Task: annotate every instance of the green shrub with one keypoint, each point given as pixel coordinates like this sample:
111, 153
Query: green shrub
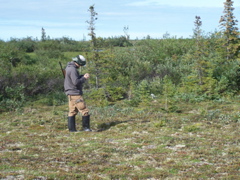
53, 99
98, 96
13, 98
114, 93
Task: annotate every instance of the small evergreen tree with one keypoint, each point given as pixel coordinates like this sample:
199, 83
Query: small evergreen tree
43, 37
228, 25
200, 63
125, 30
197, 31
92, 34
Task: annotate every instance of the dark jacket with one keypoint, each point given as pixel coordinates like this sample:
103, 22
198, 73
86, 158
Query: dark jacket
73, 82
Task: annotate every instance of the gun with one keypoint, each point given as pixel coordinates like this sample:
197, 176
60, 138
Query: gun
63, 70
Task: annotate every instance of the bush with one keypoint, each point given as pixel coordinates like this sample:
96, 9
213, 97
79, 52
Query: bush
53, 99
97, 96
13, 98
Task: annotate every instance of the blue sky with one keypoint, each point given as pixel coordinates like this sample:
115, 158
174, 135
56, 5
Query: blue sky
67, 18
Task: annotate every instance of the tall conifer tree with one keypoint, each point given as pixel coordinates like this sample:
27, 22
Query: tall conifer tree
92, 34
199, 49
228, 25
43, 37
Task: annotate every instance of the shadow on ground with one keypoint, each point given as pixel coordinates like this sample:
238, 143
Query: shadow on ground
106, 126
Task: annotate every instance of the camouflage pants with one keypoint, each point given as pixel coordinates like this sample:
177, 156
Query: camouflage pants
77, 104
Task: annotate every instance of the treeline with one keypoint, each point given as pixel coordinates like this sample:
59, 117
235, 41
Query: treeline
64, 44
186, 69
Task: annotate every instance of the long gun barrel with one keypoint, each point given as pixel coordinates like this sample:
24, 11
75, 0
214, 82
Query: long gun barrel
63, 70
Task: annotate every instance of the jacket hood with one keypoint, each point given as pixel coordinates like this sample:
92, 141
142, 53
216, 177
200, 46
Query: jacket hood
71, 64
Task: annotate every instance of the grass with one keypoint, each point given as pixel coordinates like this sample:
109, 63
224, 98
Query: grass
199, 141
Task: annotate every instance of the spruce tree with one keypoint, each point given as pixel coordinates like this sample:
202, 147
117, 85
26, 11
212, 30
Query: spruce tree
198, 55
92, 34
229, 29
43, 38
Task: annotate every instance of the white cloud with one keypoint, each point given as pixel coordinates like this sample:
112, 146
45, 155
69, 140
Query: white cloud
40, 23
116, 14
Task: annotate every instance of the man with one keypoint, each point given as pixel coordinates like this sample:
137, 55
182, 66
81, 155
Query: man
73, 85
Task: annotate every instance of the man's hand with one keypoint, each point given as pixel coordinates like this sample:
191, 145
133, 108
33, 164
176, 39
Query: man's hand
86, 76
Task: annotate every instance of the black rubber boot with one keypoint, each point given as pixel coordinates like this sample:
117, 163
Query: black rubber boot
86, 123
72, 124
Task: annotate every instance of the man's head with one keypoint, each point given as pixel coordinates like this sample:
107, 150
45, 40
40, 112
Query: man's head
80, 60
